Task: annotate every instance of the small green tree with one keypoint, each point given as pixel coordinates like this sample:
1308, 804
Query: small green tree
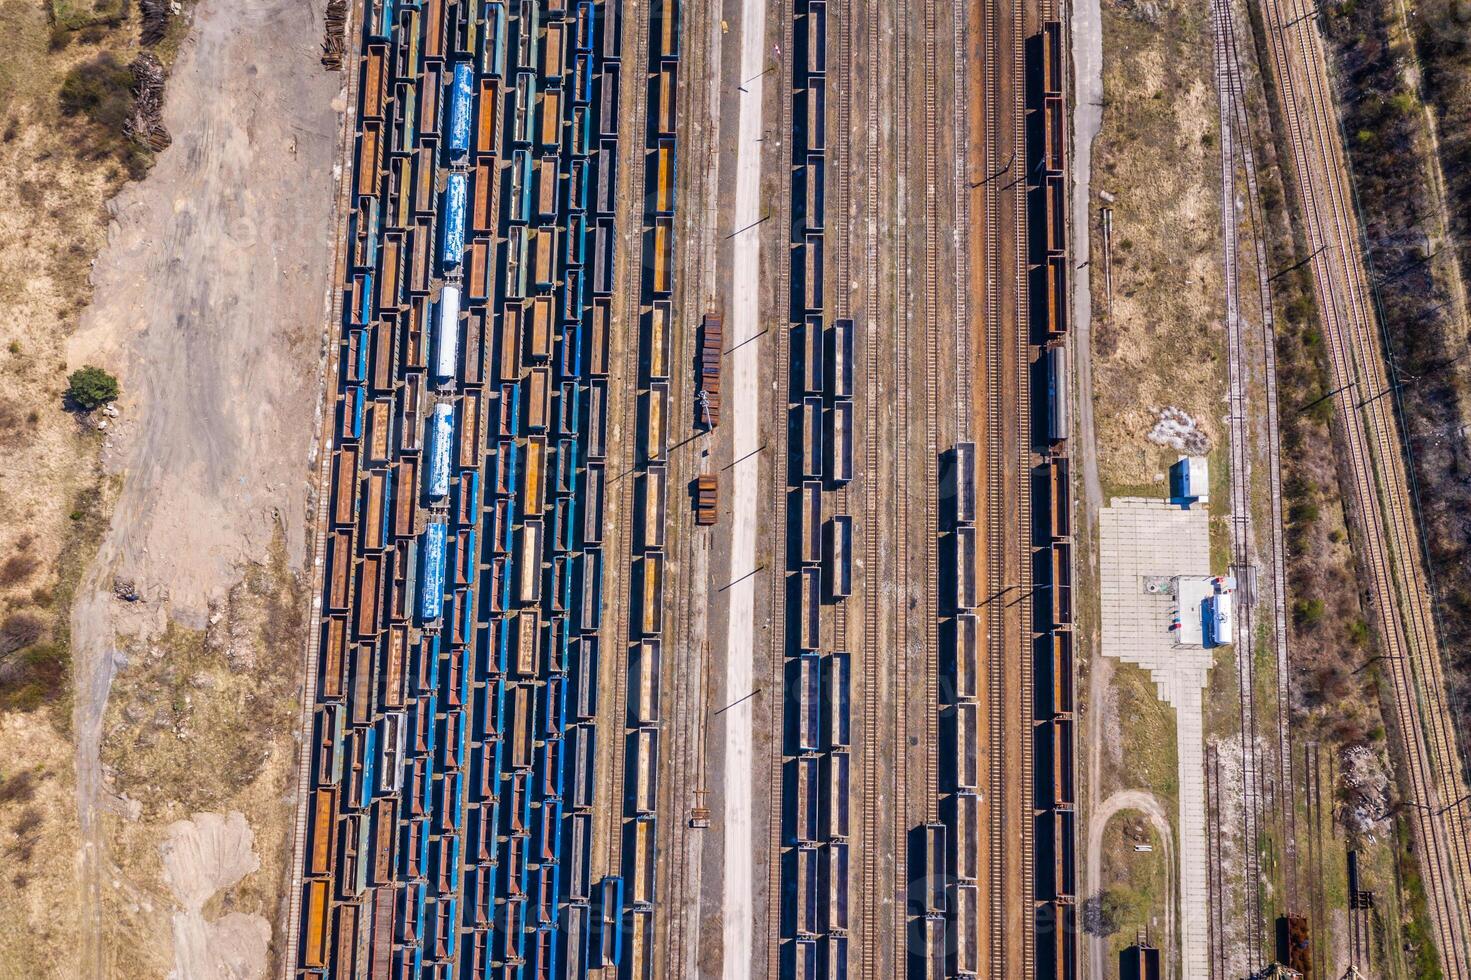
91, 387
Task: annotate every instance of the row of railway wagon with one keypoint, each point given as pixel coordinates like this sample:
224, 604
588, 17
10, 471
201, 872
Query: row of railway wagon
816, 762
1053, 800
949, 906
449, 824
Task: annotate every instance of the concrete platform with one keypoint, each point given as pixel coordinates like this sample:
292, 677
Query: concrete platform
1143, 538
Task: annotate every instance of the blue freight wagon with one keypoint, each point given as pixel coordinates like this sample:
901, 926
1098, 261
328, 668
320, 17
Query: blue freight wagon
431, 578
441, 443
462, 100
453, 213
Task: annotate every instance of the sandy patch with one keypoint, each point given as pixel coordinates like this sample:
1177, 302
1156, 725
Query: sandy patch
201, 857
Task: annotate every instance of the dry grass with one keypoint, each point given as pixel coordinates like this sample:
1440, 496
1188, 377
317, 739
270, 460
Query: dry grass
205, 720
1157, 155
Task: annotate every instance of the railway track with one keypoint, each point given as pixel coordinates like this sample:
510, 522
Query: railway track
931, 398
1286, 783
1389, 548
869, 932
1242, 525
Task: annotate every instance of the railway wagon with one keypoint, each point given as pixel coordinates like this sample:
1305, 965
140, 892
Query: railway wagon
965, 836
1058, 401
811, 449
966, 928
1052, 46
809, 702
431, 573
538, 400
641, 944
604, 247
581, 743
538, 345
1054, 834
593, 481
839, 353
656, 421
664, 29
838, 557
579, 857
1058, 672
657, 339
332, 659
1056, 928
528, 558
452, 212
812, 254
1062, 584
804, 959
836, 813
590, 595
965, 568
651, 602
546, 187
647, 661
813, 181
967, 755
329, 730
834, 914
804, 796
662, 257
814, 31
1059, 497
805, 889
664, 176
936, 869
597, 337
665, 84
322, 835
441, 442
608, 91
962, 489
837, 684
447, 336
533, 477
344, 487
832, 957
1054, 213
314, 923
523, 122
585, 670
1054, 299
840, 443
933, 943
597, 401
606, 189
814, 117
810, 347
967, 663
810, 504
1054, 135
809, 637
462, 95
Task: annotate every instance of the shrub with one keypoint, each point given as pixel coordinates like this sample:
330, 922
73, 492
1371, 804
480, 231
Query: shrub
100, 89
20, 630
91, 387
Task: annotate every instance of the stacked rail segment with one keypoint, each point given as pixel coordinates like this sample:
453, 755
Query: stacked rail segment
462, 593
1052, 791
816, 784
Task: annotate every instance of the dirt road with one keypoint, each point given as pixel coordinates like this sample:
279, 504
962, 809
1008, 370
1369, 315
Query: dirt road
207, 301
744, 399
1145, 803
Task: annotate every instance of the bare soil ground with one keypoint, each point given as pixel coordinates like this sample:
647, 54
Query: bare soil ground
208, 300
